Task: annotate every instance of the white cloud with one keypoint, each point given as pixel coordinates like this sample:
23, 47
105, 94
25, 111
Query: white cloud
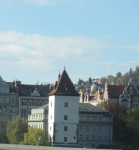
128, 63
105, 62
40, 52
34, 2
39, 2
134, 47
109, 67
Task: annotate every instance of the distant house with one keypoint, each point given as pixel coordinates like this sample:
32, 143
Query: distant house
8, 101
94, 99
127, 95
30, 97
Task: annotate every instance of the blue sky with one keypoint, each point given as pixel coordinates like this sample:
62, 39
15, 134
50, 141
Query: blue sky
92, 38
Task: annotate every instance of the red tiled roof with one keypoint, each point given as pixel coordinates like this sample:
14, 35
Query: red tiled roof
60, 85
118, 89
11, 84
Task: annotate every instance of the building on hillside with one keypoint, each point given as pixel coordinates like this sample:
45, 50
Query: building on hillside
8, 101
70, 123
128, 95
94, 99
95, 126
30, 97
39, 118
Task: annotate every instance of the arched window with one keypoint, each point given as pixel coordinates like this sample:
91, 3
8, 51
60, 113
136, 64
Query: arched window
30, 103
4, 109
35, 103
40, 103
0, 109
22, 103
46, 102
25, 103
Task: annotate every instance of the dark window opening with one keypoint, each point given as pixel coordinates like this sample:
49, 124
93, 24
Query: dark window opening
65, 128
66, 104
65, 139
65, 117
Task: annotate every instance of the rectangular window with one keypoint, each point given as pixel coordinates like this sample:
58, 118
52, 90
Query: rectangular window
65, 139
81, 118
136, 105
105, 137
105, 128
113, 89
99, 128
87, 137
36, 116
99, 137
93, 128
24, 111
80, 127
0, 90
135, 99
66, 104
80, 137
87, 128
100, 118
117, 89
65, 117
130, 92
133, 105
65, 128
41, 116
29, 111
93, 137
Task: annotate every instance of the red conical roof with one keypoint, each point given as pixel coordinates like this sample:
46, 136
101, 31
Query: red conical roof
64, 81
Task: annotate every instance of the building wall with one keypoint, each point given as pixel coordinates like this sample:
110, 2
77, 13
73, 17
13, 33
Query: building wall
57, 110
8, 102
90, 129
39, 118
25, 110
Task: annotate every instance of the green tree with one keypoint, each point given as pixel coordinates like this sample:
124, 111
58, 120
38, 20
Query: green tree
80, 82
119, 125
119, 74
89, 80
132, 128
16, 129
79, 87
136, 69
35, 136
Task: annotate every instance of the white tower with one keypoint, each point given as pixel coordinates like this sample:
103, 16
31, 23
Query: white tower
63, 116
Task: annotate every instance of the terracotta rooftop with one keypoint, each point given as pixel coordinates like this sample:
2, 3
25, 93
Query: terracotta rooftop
64, 81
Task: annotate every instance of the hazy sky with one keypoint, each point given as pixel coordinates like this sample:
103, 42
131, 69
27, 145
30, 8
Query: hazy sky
92, 38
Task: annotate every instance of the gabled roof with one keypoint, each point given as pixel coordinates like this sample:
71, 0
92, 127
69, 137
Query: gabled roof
64, 81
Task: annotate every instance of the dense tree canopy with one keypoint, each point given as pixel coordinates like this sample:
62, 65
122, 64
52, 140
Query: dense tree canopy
16, 129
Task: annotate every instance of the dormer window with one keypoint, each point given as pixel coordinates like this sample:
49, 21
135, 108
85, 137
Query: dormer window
66, 89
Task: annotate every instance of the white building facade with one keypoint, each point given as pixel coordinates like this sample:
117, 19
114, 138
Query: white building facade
63, 113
